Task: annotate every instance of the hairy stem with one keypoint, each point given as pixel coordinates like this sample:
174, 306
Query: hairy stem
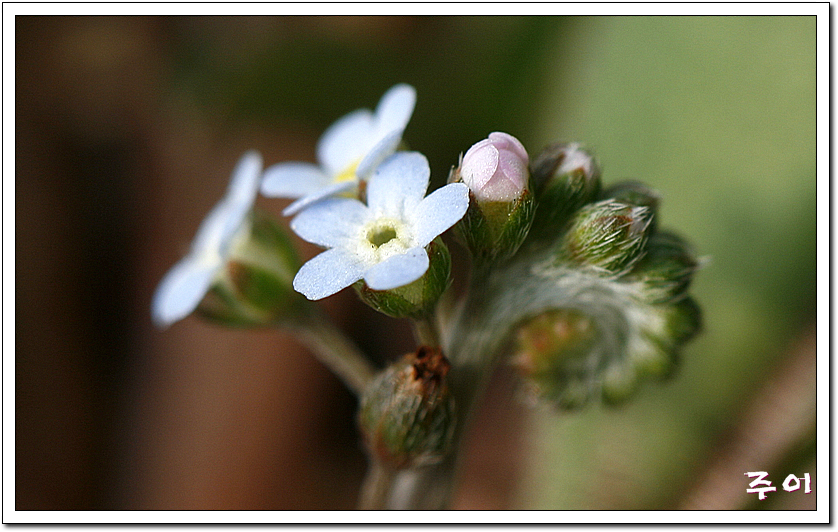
335, 350
375, 492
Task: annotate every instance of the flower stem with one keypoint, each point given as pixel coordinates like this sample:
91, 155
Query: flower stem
335, 350
425, 332
472, 341
376, 489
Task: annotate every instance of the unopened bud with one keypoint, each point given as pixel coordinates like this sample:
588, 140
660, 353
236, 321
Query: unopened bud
565, 178
634, 193
419, 298
552, 352
495, 169
501, 211
608, 234
655, 351
407, 414
666, 269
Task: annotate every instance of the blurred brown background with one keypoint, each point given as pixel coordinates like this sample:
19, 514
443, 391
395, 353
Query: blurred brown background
127, 129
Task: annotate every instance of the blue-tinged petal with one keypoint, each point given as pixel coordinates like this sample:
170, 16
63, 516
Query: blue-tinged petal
320, 195
215, 228
439, 211
293, 180
331, 222
395, 108
398, 270
236, 218
328, 273
346, 141
399, 184
182, 289
378, 153
245, 181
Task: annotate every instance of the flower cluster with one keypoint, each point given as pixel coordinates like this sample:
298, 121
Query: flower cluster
574, 278
381, 241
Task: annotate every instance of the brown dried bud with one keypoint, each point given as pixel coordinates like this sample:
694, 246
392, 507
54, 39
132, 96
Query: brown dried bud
407, 413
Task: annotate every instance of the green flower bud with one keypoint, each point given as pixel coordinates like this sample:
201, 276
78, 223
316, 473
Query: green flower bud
550, 351
419, 298
254, 287
565, 178
635, 193
666, 269
566, 359
501, 205
608, 234
654, 352
407, 414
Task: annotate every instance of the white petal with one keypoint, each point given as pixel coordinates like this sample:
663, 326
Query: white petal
395, 108
479, 164
440, 210
245, 181
398, 270
399, 184
215, 228
378, 153
328, 273
346, 141
320, 195
331, 222
227, 216
293, 180
505, 141
181, 290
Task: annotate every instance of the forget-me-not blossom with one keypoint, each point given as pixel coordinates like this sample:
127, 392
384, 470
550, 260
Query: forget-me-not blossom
347, 153
185, 285
382, 242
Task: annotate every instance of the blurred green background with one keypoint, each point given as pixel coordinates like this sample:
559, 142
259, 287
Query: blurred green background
128, 127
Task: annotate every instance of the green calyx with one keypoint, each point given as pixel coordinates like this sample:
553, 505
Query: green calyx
493, 231
407, 414
570, 357
666, 269
419, 298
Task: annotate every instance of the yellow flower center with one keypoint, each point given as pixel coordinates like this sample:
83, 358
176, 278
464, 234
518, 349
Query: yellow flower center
383, 238
381, 235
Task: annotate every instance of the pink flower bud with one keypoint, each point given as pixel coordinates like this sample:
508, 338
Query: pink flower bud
495, 169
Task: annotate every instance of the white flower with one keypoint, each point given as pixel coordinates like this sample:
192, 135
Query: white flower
384, 241
186, 284
348, 152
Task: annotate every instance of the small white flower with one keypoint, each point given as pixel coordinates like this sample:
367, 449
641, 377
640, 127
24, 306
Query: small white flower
348, 152
384, 241
186, 284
